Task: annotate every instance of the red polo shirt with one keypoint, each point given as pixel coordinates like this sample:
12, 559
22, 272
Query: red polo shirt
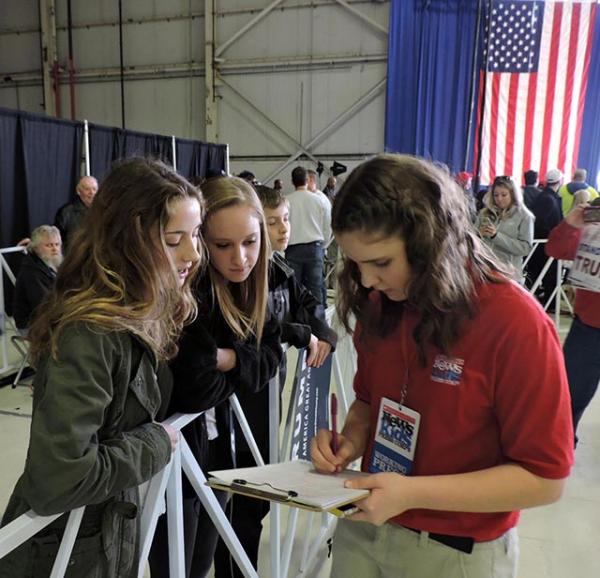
506, 400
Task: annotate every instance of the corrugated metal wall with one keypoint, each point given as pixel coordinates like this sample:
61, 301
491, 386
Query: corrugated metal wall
307, 78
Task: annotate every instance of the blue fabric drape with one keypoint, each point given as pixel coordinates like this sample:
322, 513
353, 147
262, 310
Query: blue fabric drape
430, 76
195, 160
108, 145
52, 160
589, 144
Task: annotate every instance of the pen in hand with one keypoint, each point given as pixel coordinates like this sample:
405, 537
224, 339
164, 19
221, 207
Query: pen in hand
334, 435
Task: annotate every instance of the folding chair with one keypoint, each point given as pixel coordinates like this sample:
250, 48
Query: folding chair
21, 345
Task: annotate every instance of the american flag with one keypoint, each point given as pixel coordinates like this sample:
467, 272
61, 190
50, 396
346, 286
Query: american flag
533, 85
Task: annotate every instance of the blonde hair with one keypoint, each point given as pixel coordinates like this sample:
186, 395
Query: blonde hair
243, 305
115, 277
580, 197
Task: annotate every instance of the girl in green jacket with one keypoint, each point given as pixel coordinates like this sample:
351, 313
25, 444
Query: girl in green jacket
121, 299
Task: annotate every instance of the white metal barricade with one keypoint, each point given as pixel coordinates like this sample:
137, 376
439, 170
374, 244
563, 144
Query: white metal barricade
29, 524
558, 294
4, 341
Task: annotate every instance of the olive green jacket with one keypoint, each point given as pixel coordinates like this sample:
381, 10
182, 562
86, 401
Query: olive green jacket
93, 440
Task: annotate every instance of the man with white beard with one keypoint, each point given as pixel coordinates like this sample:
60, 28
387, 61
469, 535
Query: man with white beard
37, 273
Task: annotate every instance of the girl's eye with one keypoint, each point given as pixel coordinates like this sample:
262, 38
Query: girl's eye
173, 244
221, 245
383, 264
250, 242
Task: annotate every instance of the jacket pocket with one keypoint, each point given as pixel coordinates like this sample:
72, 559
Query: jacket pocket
120, 534
87, 560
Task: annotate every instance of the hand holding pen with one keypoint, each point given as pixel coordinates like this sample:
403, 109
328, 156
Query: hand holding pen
330, 451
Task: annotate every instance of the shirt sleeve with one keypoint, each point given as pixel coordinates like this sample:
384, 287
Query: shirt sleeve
532, 402
563, 241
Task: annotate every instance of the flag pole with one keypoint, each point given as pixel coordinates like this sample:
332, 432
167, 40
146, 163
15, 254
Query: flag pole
472, 95
482, 114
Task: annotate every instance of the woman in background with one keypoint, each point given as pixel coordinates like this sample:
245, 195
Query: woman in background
506, 225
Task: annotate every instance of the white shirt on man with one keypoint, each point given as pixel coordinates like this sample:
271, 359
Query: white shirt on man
310, 217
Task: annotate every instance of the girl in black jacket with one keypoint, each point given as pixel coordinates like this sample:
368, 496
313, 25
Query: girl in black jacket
232, 346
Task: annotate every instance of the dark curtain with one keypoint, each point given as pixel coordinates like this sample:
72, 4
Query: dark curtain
589, 144
432, 46
52, 160
149, 145
104, 149
217, 157
196, 159
192, 159
39, 169
108, 145
13, 197
13, 194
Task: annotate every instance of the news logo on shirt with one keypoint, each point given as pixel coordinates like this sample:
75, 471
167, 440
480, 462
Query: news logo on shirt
447, 369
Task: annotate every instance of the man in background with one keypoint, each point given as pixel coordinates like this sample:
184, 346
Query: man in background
310, 221
69, 217
37, 273
567, 192
329, 189
547, 210
531, 189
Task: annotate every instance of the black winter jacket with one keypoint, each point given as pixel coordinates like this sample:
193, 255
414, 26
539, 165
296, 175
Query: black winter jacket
295, 307
34, 280
199, 385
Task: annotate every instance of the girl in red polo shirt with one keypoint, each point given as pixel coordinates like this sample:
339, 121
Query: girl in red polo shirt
462, 404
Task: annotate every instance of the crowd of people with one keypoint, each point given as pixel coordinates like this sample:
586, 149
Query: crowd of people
171, 297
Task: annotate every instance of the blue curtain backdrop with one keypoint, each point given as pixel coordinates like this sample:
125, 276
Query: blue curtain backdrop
430, 76
589, 144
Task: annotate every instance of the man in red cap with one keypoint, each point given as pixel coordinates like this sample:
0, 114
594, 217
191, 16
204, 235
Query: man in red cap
464, 179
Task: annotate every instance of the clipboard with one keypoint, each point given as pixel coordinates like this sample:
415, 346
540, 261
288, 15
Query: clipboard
295, 484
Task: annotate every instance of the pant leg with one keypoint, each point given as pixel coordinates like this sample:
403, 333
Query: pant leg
295, 258
206, 539
158, 557
314, 279
307, 262
353, 550
246, 515
583, 366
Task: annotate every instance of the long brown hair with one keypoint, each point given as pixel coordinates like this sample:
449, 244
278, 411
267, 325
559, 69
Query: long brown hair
117, 275
243, 305
419, 202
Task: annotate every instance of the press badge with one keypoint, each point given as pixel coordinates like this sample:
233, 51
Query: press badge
395, 438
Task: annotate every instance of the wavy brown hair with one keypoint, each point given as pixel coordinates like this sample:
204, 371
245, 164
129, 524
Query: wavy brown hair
117, 275
243, 305
419, 202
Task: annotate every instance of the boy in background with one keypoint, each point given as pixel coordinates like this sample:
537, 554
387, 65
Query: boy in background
292, 304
